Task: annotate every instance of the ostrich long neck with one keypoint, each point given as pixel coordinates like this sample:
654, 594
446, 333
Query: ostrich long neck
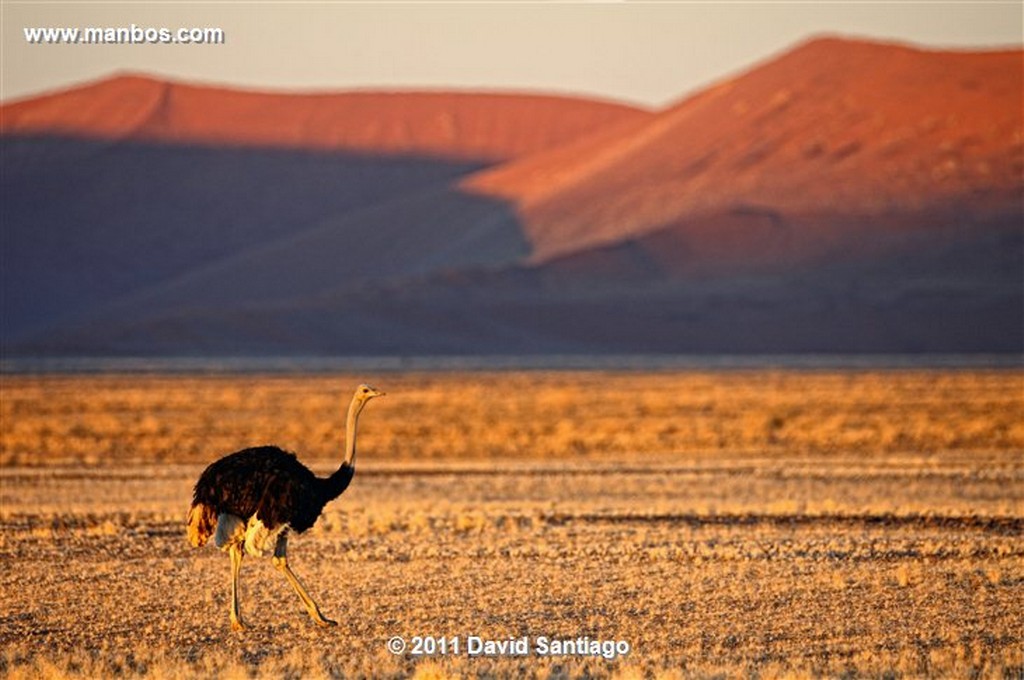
354, 409
339, 481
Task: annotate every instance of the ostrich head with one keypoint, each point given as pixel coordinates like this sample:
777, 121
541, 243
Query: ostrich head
365, 393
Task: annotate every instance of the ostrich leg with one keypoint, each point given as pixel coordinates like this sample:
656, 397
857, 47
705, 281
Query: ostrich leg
236, 565
281, 563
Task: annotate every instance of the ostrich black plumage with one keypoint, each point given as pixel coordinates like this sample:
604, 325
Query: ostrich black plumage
249, 500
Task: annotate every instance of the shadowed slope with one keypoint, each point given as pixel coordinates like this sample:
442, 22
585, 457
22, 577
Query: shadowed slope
949, 291
87, 222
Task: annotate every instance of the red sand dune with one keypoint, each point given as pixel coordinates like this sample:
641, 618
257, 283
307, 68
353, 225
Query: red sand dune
487, 126
843, 197
834, 126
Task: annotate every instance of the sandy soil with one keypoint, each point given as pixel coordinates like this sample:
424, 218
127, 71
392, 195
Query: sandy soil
762, 560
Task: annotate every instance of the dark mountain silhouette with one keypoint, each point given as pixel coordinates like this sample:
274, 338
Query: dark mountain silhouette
843, 197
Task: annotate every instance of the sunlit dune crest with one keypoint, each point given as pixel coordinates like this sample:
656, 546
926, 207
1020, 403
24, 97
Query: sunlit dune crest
490, 126
835, 125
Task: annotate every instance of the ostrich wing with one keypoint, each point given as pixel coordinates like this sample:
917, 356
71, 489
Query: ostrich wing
292, 500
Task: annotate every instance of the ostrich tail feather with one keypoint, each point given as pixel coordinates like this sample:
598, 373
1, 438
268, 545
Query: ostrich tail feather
201, 525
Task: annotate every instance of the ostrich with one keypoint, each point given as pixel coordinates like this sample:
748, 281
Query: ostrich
249, 500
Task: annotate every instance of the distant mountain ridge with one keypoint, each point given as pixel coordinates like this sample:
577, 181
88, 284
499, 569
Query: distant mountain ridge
843, 196
450, 125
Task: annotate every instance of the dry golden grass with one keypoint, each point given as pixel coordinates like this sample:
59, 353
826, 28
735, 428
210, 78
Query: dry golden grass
761, 524
131, 419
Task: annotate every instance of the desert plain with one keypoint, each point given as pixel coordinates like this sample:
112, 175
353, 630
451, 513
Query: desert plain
744, 523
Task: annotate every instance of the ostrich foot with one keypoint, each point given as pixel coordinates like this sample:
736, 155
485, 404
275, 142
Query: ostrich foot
237, 626
324, 622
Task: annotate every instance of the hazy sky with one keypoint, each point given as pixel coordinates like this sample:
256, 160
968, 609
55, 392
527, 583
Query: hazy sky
649, 53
